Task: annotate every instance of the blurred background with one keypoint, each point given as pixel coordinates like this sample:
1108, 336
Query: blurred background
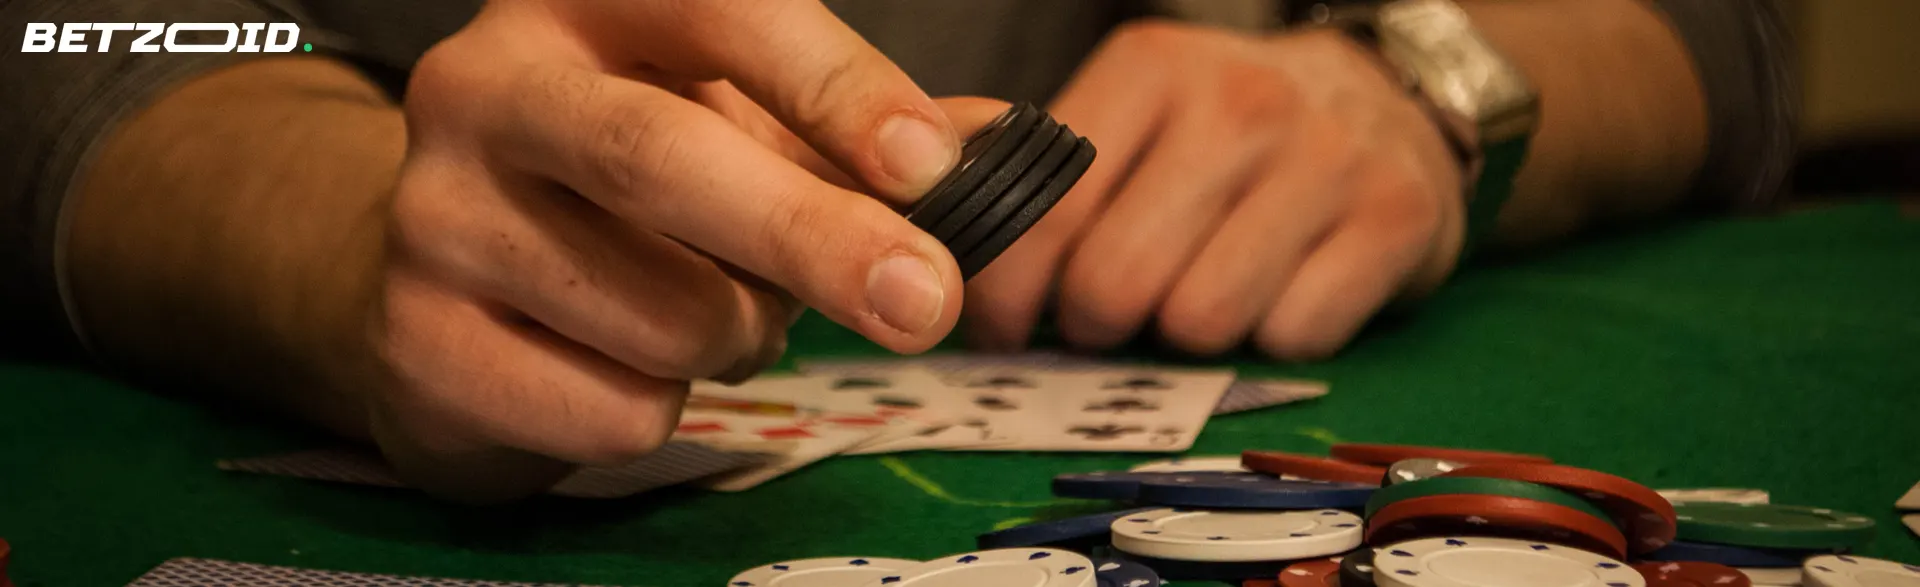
1860, 61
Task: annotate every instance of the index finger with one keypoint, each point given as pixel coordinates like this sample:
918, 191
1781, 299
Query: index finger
800, 62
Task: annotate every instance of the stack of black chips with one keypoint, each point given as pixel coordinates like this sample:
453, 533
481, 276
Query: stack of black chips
1010, 174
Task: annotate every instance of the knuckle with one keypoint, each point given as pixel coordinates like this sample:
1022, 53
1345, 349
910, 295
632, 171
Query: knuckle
1406, 206
791, 236
825, 95
1107, 309
1198, 326
441, 86
1251, 95
426, 222
694, 342
638, 433
631, 143
1288, 341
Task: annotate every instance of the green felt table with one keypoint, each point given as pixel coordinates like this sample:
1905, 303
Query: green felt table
1781, 353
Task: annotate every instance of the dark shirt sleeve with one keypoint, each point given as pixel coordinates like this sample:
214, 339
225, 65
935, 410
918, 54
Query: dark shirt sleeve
57, 109
1744, 54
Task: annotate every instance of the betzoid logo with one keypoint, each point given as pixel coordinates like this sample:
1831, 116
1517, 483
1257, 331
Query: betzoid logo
157, 37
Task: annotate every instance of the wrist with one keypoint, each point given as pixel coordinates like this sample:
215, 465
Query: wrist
1484, 106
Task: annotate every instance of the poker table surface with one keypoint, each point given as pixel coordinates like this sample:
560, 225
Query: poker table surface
1779, 352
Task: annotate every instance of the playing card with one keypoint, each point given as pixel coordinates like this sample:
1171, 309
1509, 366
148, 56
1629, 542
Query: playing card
1910, 501
675, 463
1138, 410
951, 362
1913, 522
815, 434
907, 400
1244, 395
200, 572
1253, 394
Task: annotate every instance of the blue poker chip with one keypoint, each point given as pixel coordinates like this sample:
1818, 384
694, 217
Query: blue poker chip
1241, 490
1234, 572
1120, 572
1114, 485
1089, 530
1732, 556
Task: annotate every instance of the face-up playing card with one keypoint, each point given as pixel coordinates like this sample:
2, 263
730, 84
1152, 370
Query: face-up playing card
953, 362
1244, 395
674, 464
1136, 410
927, 414
815, 434
906, 400
200, 572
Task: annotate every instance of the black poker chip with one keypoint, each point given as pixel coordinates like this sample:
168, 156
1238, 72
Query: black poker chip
1010, 174
983, 152
1356, 568
1030, 212
997, 180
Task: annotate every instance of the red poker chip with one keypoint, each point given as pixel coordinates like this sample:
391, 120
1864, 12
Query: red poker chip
1324, 469
6, 553
1649, 519
1313, 573
1259, 583
1692, 574
1387, 454
1494, 516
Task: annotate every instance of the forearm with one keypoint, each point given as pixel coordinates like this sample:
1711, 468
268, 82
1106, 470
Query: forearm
232, 231
1623, 128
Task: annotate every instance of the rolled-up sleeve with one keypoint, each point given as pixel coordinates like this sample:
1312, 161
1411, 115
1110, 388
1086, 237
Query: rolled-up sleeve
1744, 53
58, 108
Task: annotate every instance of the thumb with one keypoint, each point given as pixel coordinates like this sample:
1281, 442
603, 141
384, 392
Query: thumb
970, 114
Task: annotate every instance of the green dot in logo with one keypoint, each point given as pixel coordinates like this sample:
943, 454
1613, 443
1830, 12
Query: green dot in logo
307, 47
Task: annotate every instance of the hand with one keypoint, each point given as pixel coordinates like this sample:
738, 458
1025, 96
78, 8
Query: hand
1276, 189
591, 215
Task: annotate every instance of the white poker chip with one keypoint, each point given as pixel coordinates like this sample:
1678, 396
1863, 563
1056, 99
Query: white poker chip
1497, 562
1841, 570
1006, 567
1717, 494
1231, 536
1190, 465
1771, 577
820, 572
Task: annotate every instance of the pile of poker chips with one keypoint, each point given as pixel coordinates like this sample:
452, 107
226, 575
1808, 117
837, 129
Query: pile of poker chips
1435, 517
1011, 173
1390, 516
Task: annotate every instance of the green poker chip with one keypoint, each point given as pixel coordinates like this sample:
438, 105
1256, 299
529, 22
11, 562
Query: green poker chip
1478, 486
1772, 526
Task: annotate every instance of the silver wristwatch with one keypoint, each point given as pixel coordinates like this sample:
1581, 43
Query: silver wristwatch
1482, 102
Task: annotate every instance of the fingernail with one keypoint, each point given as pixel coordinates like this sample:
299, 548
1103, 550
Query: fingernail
906, 292
914, 152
